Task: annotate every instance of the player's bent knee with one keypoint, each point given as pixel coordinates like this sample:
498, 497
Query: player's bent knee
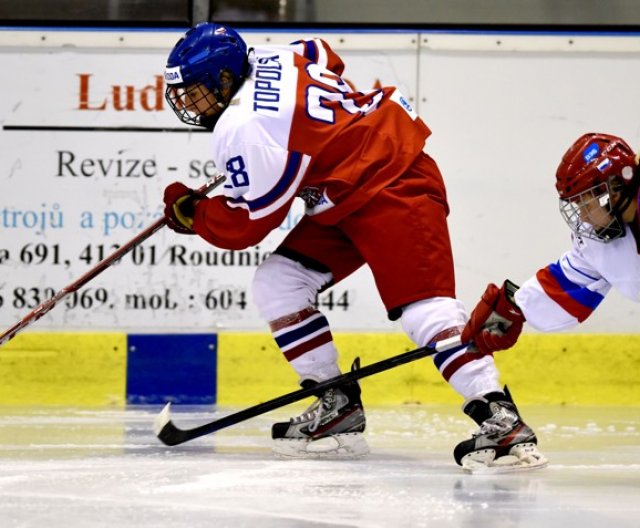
282, 286
424, 320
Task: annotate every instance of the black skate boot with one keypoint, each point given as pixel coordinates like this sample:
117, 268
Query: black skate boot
503, 442
331, 427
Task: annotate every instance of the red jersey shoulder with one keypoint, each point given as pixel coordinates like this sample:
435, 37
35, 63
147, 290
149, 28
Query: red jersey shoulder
320, 52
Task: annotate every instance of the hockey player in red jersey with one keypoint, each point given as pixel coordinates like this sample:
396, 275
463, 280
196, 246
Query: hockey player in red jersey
598, 181
285, 125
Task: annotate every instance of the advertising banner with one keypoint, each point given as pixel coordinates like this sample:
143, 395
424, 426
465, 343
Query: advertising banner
87, 146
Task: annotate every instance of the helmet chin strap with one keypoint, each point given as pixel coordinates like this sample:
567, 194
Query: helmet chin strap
209, 122
221, 101
610, 232
221, 104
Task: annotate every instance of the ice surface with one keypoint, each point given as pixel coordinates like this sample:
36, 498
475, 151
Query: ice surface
94, 468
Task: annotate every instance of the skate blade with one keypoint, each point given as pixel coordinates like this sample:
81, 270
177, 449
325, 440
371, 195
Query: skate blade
344, 446
522, 457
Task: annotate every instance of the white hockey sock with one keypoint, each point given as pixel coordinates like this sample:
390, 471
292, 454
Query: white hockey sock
307, 343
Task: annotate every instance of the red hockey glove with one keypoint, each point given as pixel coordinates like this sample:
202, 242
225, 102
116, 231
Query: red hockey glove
179, 207
496, 321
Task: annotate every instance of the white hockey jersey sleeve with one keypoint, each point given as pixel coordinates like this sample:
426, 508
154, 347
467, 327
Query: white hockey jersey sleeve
562, 294
566, 292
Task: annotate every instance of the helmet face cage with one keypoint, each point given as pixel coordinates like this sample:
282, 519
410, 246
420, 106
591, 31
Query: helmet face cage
589, 214
194, 105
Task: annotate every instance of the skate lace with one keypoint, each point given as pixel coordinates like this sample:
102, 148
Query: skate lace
500, 423
315, 412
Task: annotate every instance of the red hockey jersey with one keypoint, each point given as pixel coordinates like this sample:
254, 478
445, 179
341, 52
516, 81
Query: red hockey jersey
296, 128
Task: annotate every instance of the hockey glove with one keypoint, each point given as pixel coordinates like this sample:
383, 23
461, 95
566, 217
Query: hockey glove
496, 321
179, 207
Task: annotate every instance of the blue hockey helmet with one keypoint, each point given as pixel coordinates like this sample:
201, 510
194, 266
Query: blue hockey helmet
201, 56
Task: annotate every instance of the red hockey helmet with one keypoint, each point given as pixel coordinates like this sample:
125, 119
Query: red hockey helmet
594, 168
591, 160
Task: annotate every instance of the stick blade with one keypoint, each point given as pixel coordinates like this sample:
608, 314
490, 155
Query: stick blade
166, 431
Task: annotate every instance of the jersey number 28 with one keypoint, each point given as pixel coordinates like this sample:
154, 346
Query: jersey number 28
335, 91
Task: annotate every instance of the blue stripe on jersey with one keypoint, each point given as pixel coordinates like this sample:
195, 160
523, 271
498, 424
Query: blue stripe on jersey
580, 272
578, 293
302, 331
311, 50
288, 176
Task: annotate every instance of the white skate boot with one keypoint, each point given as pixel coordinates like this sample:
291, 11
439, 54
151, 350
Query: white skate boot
503, 442
331, 427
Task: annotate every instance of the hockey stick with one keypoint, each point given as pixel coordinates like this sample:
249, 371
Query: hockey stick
170, 435
48, 305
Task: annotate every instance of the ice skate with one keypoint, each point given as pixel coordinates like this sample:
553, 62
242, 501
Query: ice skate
331, 427
503, 443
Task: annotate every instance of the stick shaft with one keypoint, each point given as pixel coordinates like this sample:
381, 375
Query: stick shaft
105, 263
171, 435
49, 304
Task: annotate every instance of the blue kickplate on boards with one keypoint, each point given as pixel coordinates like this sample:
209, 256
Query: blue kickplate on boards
178, 368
